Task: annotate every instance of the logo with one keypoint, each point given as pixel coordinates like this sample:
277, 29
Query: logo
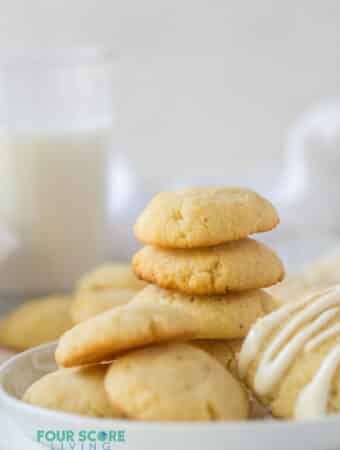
81, 440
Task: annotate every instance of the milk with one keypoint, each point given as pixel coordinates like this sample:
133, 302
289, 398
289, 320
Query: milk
54, 202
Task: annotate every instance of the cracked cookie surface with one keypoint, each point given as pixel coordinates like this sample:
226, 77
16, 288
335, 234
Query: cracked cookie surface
123, 328
233, 266
218, 317
225, 351
175, 382
77, 391
203, 217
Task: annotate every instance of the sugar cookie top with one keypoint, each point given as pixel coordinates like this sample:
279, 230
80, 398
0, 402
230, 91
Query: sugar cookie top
77, 391
291, 357
123, 328
225, 351
314, 276
36, 322
88, 303
110, 276
228, 316
203, 217
233, 266
176, 382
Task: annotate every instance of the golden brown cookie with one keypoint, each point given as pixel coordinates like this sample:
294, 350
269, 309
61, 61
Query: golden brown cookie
219, 317
234, 266
175, 382
225, 351
110, 276
314, 276
77, 391
202, 217
291, 358
89, 303
121, 329
36, 322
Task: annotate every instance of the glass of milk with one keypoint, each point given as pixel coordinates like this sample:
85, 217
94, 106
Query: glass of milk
56, 118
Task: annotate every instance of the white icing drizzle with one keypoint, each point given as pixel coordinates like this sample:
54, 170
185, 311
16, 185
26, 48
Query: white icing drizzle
272, 367
263, 328
313, 399
304, 329
315, 342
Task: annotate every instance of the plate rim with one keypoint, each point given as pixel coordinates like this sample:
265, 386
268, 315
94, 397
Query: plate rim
8, 400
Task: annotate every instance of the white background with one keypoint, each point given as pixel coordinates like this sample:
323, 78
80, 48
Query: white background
203, 87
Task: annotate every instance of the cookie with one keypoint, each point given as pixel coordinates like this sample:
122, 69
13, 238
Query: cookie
6, 354
291, 288
225, 351
218, 317
234, 266
174, 382
123, 328
202, 217
89, 303
291, 357
77, 391
36, 322
110, 276
319, 274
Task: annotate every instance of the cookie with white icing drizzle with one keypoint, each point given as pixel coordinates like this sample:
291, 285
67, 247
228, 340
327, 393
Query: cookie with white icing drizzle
291, 358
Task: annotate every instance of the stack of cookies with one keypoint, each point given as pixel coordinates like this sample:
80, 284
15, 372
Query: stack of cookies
158, 357
199, 257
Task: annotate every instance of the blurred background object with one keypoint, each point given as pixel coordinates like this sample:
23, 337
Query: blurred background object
308, 191
205, 94
317, 275
56, 123
215, 84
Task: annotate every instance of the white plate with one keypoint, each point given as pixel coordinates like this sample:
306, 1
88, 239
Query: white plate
21, 371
